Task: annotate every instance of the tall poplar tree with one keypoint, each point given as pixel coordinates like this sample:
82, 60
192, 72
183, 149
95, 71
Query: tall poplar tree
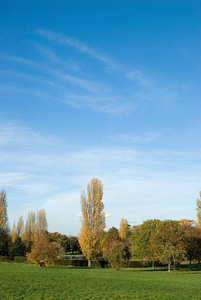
93, 220
3, 212
124, 230
20, 226
29, 230
41, 222
4, 229
198, 203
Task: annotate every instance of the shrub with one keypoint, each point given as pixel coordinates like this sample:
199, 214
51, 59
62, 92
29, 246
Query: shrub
42, 253
72, 262
4, 258
20, 259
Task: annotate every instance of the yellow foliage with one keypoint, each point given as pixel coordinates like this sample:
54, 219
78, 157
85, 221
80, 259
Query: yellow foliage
3, 212
198, 203
14, 233
42, 252
124, 230
93, 219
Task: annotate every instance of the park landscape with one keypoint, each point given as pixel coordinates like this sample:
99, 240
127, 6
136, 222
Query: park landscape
136, 261
100, 149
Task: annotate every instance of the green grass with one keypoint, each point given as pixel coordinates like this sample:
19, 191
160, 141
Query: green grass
20, 281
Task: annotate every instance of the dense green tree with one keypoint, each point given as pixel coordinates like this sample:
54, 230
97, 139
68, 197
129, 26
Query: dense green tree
18, 248
168, 241
141, 240
65, 243
118, 254
74, 245
115, 251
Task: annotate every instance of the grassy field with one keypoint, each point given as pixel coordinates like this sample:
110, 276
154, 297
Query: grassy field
21, 281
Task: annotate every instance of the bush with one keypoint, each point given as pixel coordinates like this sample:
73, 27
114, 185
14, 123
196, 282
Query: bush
72, 262
20, 259
4, 258
82, 263
42, 253
99, 264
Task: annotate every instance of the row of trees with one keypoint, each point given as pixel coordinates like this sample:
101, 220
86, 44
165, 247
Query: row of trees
23, 236
165, 241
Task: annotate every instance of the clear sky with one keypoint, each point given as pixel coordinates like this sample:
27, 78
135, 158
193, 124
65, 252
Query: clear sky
104, 89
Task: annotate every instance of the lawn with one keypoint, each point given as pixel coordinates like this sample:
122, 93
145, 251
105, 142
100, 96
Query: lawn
21, 281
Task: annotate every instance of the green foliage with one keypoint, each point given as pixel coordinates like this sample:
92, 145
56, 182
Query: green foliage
117, 255
141, 239
22, 281
18, 248
20, 259
60, 251
168, 242
5, 241
4, 258
72, 262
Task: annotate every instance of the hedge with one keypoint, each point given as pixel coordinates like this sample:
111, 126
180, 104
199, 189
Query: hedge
82, 263
4, 258
72, 262
20, 259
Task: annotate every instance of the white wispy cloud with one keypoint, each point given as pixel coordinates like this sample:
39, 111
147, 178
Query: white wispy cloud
63, 40
135, 139
16, 135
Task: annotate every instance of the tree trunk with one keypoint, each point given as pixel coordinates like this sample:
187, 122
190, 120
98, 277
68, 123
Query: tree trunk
153, 268
189, 264
174, 267
169, 266
89, 263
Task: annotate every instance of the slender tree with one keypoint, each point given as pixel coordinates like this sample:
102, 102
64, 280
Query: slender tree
13, 233
198, 203
41, 222
20, 226
29, 231
124, 230
3, 213
4, 229
93, 220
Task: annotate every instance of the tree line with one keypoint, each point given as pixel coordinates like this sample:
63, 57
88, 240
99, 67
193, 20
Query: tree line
166, 241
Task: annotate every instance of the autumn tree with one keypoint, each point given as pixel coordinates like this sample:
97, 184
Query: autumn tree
13, 232
29, 230
20, 226
167, 243
41, 222
4, 229
42, 252
3, 212
198, 203
115, 251
93, 220
124, 230
60, 251
141, 240
192, 243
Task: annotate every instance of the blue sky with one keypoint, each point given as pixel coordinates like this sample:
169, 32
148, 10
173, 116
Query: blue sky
105, 89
